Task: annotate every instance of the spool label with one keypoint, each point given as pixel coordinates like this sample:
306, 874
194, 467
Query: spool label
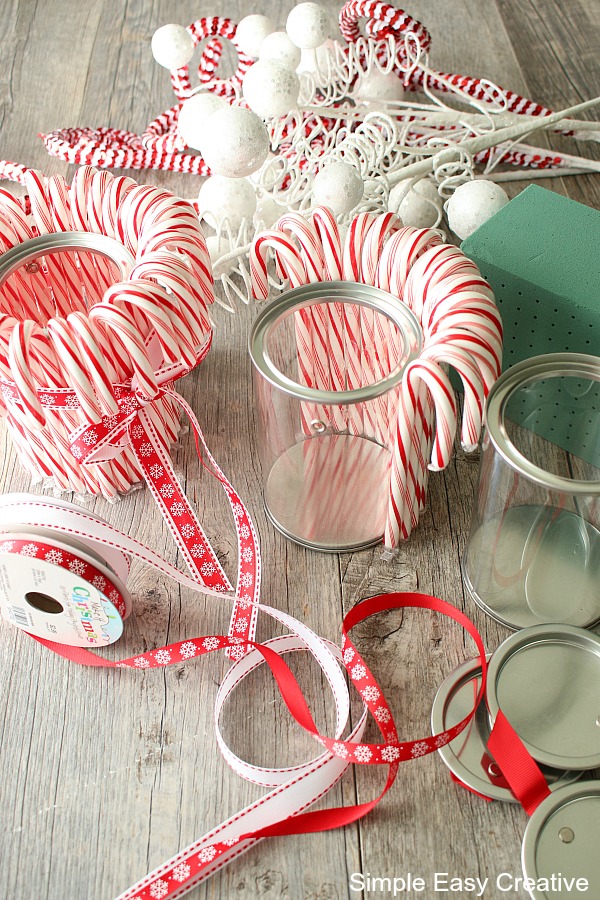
59, 604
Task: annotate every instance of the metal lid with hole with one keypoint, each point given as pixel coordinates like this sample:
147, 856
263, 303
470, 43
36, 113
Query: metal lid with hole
561, 842
546, 679
467, 756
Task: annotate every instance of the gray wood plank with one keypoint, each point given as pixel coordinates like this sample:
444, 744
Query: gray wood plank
105, 775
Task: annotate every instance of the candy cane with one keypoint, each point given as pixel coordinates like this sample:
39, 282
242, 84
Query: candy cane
407, 468
377, 333
329, 235
467, 368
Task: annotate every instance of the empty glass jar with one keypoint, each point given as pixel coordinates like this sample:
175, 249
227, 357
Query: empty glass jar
534, 552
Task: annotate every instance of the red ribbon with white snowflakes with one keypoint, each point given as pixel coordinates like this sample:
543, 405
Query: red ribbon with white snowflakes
283, 810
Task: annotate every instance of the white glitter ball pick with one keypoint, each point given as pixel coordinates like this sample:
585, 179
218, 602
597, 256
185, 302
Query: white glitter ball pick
193, 115
338, 186
418, 205
236, 144
270, 88
267, 212
252, 31
472, 204
376, 85
172, 46
278, 46
226, 198
308, 25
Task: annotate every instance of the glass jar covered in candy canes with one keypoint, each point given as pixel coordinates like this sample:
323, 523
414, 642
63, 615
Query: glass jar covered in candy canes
104, 291
355, 403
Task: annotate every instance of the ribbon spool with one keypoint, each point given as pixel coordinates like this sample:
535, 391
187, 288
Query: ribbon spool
104, 292
57, 587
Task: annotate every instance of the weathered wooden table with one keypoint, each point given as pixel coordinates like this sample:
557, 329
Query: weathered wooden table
106, 774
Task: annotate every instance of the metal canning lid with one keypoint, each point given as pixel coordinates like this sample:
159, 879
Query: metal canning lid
546, 680
29, 250
577, 365
467, 756
339, 292
560, 844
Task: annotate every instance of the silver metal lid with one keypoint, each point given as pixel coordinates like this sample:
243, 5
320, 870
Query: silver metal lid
561, 843
467, 756
578, 365
546, 679
29, 250
329, 292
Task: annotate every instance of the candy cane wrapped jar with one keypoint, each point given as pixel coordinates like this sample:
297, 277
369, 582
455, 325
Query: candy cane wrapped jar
376, 320
104, 291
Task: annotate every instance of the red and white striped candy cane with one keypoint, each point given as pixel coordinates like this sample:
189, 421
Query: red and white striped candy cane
466, 366
200, 30
408, 469
327, 229
378, 334
357, 368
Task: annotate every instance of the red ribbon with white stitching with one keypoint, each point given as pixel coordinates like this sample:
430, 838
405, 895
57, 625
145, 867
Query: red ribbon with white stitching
282, 810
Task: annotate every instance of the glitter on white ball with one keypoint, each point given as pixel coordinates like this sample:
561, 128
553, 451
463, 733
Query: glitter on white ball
193, 116
472, 204
338, 186
218, 247
267, 212
308, 25
251, 32
278, 46
172, 46
378, 85
271, 89
222, 198
236, 144
418, 205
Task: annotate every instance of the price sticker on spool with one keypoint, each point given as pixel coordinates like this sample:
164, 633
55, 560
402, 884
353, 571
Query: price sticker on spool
56, 591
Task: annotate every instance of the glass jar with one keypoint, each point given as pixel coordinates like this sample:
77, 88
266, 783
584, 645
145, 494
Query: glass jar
533, 555
328, 363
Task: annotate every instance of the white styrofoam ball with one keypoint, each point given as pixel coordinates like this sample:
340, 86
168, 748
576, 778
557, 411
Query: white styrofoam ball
308, 25
316, 62
191, 123
267, 212
172, 46
226, 198
472, 204
378, 85
270, 89
278, 46
217, 248
236, 144
338, 186
251, 32
418, 205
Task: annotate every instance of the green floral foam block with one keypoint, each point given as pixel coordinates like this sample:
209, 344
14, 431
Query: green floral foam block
541, 255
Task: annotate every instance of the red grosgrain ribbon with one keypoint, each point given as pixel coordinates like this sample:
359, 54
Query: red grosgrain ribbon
282, 810
521, 771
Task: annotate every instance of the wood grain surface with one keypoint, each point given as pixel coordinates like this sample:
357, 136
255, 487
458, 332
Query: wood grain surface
104, 775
